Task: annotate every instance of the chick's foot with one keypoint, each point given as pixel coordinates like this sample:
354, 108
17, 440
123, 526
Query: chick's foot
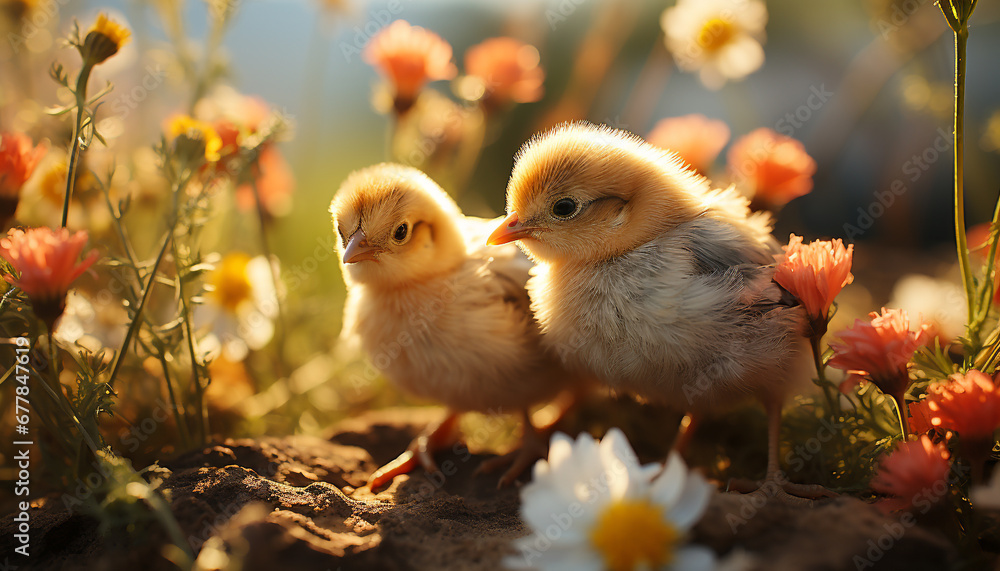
419, 453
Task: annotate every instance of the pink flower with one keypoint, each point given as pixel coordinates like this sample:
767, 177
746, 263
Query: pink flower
696, 138
409, 56
772, 167
18, 159
878, 351
969, 404
508, 69
915, 470
815, 274
47, 262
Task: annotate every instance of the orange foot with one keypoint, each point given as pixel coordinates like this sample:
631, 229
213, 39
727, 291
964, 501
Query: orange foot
419, 453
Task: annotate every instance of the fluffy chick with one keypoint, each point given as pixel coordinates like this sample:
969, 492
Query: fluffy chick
662, 285
421, 280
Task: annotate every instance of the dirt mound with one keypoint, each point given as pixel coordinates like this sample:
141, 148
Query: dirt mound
299, 503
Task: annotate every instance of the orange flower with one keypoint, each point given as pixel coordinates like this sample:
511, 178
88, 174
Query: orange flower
696, 138
878, 351
18, 159
815, 274
508, 70
409, 56
47, 262
969, 404
772, 167
275, 184
920, 417
916, 470
977, 238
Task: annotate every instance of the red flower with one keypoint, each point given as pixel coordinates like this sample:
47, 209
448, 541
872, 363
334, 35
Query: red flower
508, 69
47, 262
409, 56
815, 274
18, 159
915, 470
696, 138
920, 417
878, 351
772, 167
969, 404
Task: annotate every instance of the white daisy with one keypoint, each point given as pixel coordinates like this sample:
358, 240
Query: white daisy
240, 307
591, 506
937, 301
92, 323
720, 39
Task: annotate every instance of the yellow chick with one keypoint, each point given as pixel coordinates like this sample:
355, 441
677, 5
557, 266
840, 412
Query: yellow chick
663, 285
421, 278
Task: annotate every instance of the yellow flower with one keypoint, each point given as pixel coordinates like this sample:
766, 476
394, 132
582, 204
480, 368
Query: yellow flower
231, 281
103, 40
194, 138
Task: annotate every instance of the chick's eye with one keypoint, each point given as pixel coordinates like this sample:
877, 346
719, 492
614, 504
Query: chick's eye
564, 208
400, 234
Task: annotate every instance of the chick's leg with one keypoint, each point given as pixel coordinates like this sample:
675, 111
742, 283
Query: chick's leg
775, 481
420, 452
534, 445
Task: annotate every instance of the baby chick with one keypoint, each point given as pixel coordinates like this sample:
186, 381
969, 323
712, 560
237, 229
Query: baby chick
662, 285
421, 279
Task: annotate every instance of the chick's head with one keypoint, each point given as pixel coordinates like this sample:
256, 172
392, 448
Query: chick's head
396, 226
585, 192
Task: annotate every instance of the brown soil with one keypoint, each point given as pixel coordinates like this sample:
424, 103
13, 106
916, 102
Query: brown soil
298, 503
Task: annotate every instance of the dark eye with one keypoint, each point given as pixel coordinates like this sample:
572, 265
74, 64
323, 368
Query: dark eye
564, 208
400, 234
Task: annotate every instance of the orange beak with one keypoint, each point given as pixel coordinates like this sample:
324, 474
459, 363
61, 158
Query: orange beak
509, 230
358, 249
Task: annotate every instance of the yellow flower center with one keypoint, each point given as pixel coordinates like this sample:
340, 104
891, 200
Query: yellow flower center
715, 34
195, 130
231, 281
630, 533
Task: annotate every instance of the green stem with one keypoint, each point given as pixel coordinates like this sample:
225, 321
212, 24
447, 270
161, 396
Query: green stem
137, 318
833, 400
75, 148
266, 249
961, 40
180, 416
55, 391
904, 428
199, 390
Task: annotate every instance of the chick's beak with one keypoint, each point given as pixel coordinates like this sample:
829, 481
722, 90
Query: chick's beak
509, 230
358, 249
